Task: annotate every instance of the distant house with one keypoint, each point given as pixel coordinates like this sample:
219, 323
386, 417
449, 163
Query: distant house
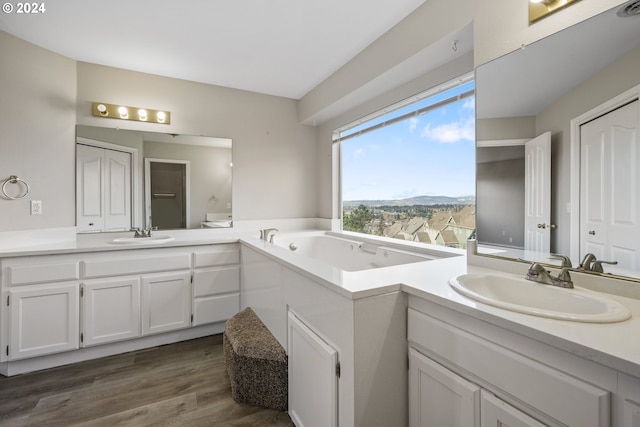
462, 224
445, 228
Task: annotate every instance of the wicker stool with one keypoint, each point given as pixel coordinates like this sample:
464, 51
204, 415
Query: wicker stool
256, 362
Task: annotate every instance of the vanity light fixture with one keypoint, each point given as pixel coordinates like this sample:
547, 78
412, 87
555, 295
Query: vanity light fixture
101, 109
538, 9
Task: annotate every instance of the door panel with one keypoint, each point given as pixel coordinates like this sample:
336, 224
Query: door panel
313, 387
609, 202
439, 397
537, 204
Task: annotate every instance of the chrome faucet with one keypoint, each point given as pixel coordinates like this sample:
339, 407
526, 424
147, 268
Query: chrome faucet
267, 234
587, 262
537, 273
144, 232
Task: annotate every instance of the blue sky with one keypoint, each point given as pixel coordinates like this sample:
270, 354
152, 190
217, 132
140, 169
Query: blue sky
432, 154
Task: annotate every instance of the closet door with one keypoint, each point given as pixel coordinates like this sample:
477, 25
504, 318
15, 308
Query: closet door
609, 198
103, 186
89, 188
117, 190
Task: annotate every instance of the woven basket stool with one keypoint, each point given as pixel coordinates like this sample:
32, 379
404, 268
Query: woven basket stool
256, 362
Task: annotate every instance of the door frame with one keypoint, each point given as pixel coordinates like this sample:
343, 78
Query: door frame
574, 191
147, 187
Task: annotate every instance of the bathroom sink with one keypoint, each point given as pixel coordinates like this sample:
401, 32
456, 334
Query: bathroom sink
142, 240
515, 293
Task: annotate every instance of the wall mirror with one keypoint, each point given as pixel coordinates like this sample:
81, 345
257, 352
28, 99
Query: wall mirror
540, 89
128, 179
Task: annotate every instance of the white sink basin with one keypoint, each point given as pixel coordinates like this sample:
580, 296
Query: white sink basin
515, 293
142, 240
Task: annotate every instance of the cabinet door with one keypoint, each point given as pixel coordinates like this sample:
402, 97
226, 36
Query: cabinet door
439, 397
110, 310
496, 413
44, 320
166, 302
313, 386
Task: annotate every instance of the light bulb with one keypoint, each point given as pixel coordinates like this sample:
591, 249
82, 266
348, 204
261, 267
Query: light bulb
124, 113
161, 116
102, 109
142, 114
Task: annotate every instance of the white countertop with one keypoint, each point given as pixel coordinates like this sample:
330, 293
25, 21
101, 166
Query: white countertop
616, 345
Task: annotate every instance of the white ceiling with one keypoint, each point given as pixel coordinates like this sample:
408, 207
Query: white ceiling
276, 47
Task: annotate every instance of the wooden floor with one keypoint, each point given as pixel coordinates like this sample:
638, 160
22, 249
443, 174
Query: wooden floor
182, 384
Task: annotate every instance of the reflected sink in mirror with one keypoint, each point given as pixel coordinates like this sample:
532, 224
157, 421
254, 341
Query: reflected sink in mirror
142, 240
515, 293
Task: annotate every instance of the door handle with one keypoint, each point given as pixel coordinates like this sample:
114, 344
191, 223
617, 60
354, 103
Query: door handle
592, 232
543, 226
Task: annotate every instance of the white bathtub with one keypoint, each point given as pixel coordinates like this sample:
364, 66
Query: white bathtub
346, 253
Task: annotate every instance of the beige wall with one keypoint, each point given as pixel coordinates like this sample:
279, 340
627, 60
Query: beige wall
282, 169
37, 127
273, 155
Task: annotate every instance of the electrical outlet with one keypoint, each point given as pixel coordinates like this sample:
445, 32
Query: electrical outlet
36, 207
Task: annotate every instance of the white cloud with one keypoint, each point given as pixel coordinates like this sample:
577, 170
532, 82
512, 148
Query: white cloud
451, 132
413, 124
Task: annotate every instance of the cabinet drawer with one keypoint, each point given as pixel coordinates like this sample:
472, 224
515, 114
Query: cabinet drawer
223, 255
217, 280
42, 272
135, 264
31, 270
526, 380
215, 308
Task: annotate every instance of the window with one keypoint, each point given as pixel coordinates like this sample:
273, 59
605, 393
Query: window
409, 172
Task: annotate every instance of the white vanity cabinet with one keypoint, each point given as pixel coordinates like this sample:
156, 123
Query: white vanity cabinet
110, 310
43, 319
166, 302
216, 284
488, 383
163, 299
57, 309
311, 361
40, 310
439, 397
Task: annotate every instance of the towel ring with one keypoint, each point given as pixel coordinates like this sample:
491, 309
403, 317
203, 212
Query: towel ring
13, 179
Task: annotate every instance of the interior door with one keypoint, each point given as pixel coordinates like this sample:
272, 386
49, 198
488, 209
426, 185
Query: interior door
609, 202
167, 193
103, 185
537, 205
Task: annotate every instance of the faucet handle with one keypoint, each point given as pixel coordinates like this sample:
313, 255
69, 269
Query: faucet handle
597, 265
566, 261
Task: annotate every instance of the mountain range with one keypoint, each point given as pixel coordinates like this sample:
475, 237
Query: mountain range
412, 201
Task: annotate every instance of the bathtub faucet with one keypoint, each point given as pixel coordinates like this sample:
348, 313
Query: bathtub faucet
267, 234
